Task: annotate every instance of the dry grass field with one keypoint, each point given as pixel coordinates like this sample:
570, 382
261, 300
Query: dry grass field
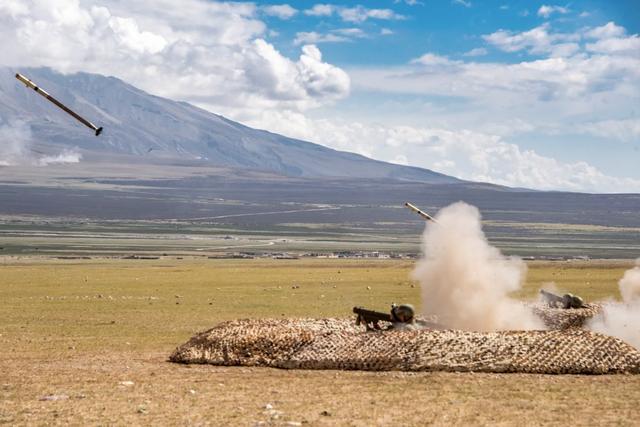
86, 342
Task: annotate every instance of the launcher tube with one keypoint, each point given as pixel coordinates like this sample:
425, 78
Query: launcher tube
31, 85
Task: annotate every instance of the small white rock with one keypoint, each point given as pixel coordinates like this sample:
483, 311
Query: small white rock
54, 397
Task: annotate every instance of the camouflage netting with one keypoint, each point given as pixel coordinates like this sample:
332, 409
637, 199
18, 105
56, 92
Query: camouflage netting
559, 318
339, 344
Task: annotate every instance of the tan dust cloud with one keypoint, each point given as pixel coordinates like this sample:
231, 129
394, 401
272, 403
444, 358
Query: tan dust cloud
623, 320
465, 281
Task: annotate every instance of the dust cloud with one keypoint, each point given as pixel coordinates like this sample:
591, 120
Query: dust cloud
623, 320
16, 148
465, 281
630, 285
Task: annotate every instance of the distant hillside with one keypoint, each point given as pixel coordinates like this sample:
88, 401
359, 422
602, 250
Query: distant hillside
150, 127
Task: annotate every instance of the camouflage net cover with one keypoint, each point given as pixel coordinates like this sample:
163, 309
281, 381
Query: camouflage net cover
560, 318
340, 344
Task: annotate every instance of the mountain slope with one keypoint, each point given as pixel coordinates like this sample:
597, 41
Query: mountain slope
150, 127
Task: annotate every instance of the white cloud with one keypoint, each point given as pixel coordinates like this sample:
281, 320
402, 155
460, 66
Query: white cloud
579, 93
478, 51
545, 11
318, 77
431, 59
357, 14
129, 35
386, 32
410, 2
464, 3
278, 78
13, 8
564, 49
538, 40
338, 35
610, 29
212, 53
626, 130
320, 10
282, 11
215, 55
400, 159
313, 37
629, 45
549, 87
463, 153
360, 14
609, 38
351, 32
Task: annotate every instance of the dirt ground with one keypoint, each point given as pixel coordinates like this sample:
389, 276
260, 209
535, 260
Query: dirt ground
86, 343
134, 388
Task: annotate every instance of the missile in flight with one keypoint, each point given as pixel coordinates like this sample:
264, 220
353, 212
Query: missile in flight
31, 85
422, 213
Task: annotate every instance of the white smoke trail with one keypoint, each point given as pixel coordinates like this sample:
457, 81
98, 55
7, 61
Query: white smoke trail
66, 156
465, 281
15, 140
623, 320
16, 147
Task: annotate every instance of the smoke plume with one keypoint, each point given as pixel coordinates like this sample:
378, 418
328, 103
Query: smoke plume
630, 285
15, 138
465, 281
66, 156
623, 320
16, 147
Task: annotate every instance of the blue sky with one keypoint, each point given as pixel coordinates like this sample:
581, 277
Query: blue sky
533, 94
461, 31
442, 26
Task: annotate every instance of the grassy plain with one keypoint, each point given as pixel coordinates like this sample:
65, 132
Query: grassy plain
43, 236
80, 330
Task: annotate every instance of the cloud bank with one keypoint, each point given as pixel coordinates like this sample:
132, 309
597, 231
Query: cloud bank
471, 155
580, 85
195, 50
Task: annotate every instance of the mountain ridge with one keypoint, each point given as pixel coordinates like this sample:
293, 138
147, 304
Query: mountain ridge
148, 126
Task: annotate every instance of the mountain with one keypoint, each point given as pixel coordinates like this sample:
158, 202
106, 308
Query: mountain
170, 168
152, 128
